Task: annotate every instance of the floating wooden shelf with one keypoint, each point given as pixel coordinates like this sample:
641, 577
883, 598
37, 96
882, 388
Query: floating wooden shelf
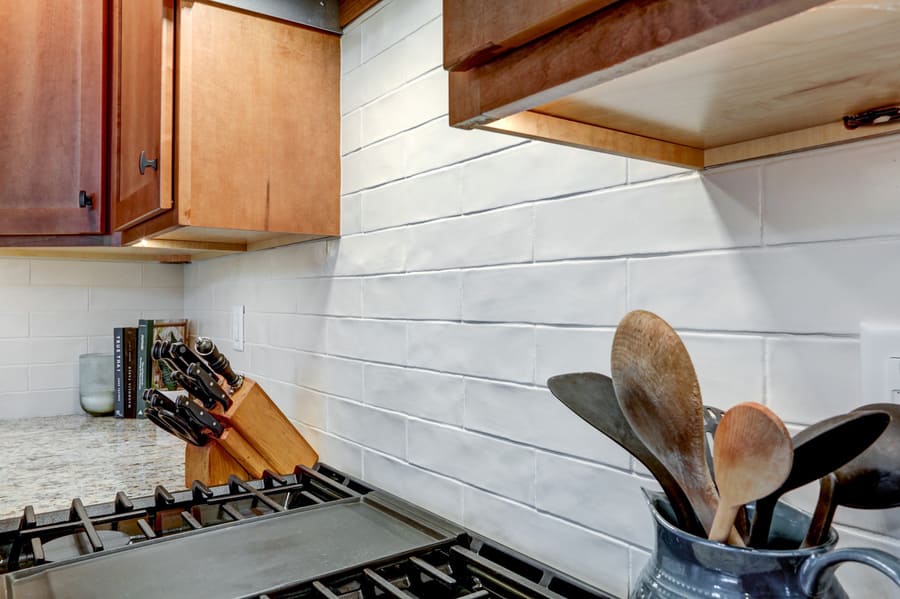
695, 83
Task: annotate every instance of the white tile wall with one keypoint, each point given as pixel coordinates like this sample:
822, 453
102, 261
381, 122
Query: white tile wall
53, 310
415, 350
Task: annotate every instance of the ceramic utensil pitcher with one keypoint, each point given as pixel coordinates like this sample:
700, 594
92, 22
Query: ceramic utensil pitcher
684, 566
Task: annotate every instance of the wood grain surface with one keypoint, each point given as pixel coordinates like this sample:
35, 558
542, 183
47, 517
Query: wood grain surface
211, 465
52, 143
753, 454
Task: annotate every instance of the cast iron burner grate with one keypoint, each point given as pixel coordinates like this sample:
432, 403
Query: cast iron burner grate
314, 533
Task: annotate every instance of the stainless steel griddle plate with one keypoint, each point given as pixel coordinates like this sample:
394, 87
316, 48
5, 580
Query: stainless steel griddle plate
234, 560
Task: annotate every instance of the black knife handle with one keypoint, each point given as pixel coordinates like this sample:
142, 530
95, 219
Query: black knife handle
178, 354
210, 384
217, 361
198, 415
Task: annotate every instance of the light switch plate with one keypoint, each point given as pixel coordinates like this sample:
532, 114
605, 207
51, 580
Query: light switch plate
880, 362
237, 328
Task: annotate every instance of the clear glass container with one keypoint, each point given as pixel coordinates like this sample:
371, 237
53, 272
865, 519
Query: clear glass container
95, 383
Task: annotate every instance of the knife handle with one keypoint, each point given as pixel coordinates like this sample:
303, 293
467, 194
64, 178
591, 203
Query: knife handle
217, 361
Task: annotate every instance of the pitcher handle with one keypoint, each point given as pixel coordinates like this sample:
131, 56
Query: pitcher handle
816, 566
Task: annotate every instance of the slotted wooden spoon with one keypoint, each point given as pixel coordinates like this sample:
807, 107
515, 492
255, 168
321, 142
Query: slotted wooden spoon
658, 392
753, 455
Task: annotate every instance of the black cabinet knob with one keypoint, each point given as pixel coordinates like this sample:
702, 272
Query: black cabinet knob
84, 200
144, 163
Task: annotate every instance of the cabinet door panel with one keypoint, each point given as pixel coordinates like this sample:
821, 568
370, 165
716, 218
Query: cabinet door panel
258, 123
142, 71
52, 140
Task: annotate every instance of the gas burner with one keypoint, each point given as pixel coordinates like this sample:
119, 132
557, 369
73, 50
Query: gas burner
313, 533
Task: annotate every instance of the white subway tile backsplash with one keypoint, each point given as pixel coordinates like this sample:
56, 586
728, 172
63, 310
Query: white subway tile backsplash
68, 324
843, 193
435, 145
427, 489
381, 252
13, 378
587, 293
378, 429
592, 557
42, 351
434, 296
289, 331
14, 271
413, 104
374, 165
31, 404
488, 463
617, 506
24, 299
534, 171
810, 379
53, 376
162, 275
15, 324
532, 415
351, 137
415, 392
729, 368
562, 350
335, 451
394, 22
273, 363
373, 340
351, 49
496, 351
500, 237
385, 72
67, 272
335, 376
148, 298
328, 296
425, 197
821, 288
643, 170
715, 210
351, 214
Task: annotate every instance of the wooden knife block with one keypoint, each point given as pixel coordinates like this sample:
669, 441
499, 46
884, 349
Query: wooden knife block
258, 436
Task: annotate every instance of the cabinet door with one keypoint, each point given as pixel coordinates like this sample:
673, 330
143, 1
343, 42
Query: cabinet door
142, 86
51, 121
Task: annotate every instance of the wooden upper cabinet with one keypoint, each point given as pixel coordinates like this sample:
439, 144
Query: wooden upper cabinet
478, 31
694, 83
142, 83
51, 122
248, 140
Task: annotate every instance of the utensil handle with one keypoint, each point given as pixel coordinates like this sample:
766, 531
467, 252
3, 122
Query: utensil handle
721, 526
762, 521
822, 517
815, 567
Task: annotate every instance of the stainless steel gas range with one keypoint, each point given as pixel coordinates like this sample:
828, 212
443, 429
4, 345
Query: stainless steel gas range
313, 533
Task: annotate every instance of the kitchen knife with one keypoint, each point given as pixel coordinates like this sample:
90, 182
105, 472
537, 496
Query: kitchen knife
218, 362
211, 389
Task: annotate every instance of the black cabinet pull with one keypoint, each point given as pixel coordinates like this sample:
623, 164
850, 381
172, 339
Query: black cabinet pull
144, 163
84, 200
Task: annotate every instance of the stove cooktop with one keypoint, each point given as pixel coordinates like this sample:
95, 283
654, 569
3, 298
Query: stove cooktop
314, 533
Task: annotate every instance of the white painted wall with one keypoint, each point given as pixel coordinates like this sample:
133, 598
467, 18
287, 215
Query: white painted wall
53, 310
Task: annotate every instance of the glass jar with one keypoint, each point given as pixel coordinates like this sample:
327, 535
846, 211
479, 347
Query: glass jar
95, 383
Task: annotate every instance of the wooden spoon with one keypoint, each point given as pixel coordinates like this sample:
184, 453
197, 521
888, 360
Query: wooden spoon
753, 455
659, 395
870, 481
819, 449
592, 397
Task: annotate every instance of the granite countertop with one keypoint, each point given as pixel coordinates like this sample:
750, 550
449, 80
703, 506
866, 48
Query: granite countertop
47, 462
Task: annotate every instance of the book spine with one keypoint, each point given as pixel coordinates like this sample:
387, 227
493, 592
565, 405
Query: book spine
129, 357
119, 375
144, 370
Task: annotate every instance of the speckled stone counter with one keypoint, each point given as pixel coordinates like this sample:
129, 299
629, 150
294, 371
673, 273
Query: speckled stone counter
46, 462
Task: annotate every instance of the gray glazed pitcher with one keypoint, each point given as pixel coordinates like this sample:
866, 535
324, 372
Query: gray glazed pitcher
684, 566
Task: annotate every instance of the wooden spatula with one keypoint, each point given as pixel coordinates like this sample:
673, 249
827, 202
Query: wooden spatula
658, 392
753, 455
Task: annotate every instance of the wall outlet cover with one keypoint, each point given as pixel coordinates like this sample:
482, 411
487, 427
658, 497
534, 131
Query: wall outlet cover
237, 328
880, 362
